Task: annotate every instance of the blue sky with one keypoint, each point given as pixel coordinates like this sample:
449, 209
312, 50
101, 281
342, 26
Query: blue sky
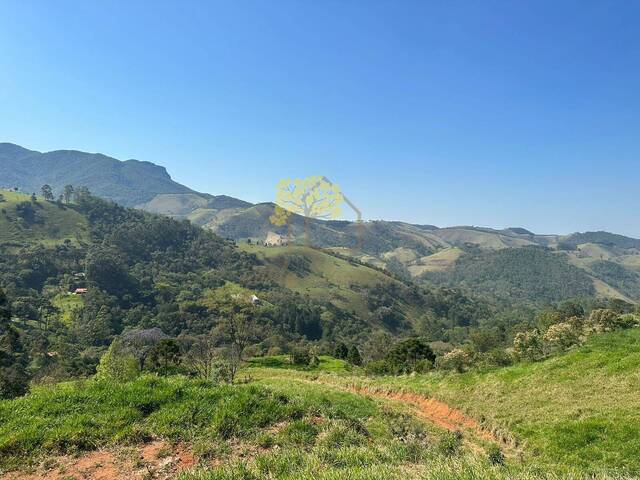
508, 113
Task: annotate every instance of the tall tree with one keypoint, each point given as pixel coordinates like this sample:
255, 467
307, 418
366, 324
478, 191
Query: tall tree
13, 377
47, 192
68, 193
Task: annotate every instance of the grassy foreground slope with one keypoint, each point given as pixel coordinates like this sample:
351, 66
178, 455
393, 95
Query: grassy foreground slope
580, 409
575, 416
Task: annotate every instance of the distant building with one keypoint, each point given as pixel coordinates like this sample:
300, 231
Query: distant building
80, 291
255, 300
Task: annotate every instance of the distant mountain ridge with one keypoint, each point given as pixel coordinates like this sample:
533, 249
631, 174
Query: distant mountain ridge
446, 256
129, 182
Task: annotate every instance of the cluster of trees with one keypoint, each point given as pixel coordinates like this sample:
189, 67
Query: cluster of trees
144, 271
13, 377
556, 329
518, 274
561, 330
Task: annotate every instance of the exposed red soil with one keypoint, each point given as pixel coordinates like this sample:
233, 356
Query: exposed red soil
155, 460
435, 411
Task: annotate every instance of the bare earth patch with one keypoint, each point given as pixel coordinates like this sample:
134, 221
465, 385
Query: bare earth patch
156, 460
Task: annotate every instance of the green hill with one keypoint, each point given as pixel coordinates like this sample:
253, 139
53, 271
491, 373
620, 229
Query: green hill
25, 222
581, 408
323, 276
129, 183
517, 274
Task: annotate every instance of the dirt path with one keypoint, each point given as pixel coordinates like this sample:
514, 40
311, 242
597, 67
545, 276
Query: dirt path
437, 413
434, 411
156, 460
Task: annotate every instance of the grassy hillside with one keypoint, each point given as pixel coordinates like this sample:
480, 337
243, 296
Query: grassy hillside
571, 417
580, 409
323, 276
24, 222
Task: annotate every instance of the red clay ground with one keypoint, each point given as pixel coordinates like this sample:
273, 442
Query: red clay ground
156, 460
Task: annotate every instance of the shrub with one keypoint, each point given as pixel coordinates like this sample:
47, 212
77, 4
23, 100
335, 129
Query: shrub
450, 444
300, 356
528, 345
117, 364
603, 320
457, 359
495, 455
353, 357
628, 320
562, 336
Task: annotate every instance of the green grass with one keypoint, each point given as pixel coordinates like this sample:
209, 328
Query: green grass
86, 415
576, 415
580, 409
54, 224
327, 364
67, 304
328, 278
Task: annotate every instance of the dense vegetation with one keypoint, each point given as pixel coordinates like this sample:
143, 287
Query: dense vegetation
129, 183
529, 273
117, 274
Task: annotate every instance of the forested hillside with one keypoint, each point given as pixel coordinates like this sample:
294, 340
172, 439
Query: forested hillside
128, 183
108, 270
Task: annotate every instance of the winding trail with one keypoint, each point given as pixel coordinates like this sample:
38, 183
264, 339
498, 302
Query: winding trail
437, 413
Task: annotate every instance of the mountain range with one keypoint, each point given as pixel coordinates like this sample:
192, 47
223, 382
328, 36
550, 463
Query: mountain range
511, 263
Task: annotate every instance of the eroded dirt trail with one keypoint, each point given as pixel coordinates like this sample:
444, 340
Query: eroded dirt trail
158, 460
439, 414
434, 411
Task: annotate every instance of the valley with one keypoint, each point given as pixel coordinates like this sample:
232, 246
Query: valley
192, 338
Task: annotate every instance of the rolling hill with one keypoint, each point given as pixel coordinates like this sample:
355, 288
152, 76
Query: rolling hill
23, 222
129, 183
610, 263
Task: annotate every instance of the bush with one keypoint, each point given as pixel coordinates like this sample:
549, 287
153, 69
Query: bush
628, 320
450, 444
562, 336
300, 356
603, 320
528, 345
117, 364
457, 359
496, 457
353, 357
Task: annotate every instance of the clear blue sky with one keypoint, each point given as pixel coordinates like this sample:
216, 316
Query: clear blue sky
508, 113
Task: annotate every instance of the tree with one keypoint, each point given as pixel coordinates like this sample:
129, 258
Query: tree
82, 194
13, 361
165, 355
528, 345
203, 356
236, 327
457, 359
410, 355
47, 192
341, 351
561, 336
117, 364
603, 320
68, 193
353, 357
312, 197
140, 342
